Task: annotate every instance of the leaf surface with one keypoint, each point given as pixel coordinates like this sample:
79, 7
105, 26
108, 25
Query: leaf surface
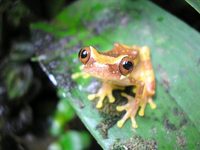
195, 4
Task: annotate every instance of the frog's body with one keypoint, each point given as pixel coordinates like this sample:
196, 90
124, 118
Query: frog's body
120, 67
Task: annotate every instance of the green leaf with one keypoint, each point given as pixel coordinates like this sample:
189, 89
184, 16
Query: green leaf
195, 4
64, 113
72, 140
175, 124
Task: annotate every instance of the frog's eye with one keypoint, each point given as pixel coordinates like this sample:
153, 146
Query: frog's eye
84, 55
126, 66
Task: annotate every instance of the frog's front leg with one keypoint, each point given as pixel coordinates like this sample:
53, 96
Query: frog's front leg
132, 106
105, 90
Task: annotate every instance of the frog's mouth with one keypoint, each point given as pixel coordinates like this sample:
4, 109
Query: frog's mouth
105, 75
102, 71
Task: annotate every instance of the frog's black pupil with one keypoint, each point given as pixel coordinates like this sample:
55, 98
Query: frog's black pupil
84, 54
127, 65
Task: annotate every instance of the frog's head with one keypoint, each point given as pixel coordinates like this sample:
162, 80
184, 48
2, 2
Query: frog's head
105, 67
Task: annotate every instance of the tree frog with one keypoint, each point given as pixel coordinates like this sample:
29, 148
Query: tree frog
122, 66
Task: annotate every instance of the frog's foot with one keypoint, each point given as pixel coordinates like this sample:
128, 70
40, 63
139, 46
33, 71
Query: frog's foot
131, 109
143, 106
105, 90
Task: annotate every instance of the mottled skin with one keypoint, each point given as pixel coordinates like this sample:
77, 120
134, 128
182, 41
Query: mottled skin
105, 66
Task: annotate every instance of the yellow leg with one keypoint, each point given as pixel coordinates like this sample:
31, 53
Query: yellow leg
131, 109
105, 90
142, 108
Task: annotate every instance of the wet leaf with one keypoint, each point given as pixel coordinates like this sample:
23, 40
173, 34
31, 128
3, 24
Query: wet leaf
175, 124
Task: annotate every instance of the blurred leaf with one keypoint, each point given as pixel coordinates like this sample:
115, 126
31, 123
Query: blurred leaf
175, 124
18, 79
54, 7
4, 5
16, 12
72, 140
47, 9
64, 113
21, 51
195, 4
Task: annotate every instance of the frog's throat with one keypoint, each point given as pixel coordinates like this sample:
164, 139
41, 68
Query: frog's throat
105, 59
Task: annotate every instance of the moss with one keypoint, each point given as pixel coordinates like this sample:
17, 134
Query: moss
181, 141
136, 143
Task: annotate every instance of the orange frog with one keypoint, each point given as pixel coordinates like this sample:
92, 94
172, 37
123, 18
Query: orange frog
122, 66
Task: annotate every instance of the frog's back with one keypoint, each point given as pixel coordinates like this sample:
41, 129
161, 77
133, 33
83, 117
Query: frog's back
120, 49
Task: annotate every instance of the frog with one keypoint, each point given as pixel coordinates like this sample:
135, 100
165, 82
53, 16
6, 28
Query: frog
118, 68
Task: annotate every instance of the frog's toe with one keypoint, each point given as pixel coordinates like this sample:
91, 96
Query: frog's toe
76, 75
152, 104
134, 124
141, 112
111, 98
92, 97
120, 123
79, 75
134, 89
142, 108
127, 96
121, 108
100, 102
85, 76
